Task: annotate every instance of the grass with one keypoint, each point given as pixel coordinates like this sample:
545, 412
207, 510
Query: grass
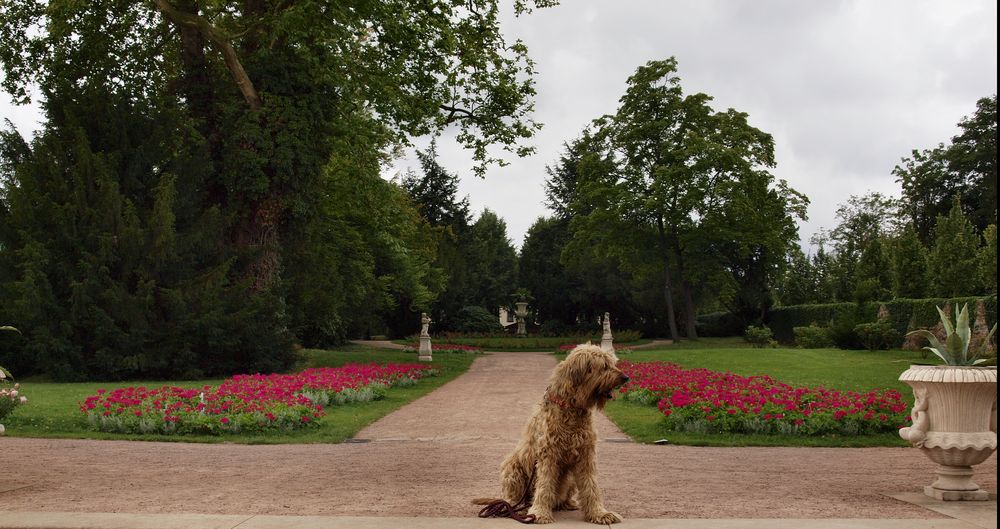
833, 368
53, 408
514, 344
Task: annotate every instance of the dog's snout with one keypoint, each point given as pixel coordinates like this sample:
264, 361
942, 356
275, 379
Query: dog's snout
625, 378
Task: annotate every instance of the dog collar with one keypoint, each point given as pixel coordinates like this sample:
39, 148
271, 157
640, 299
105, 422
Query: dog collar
557, 401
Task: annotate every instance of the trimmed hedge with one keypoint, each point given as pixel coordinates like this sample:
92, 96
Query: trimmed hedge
719, 324
922, 312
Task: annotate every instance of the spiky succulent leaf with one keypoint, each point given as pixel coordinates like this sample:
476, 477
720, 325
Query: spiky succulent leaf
936, 346
977, 362
962, 329
9, 328
989, 337
946, 321
954, 346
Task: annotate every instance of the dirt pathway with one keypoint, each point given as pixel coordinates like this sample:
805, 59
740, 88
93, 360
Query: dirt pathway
430, 457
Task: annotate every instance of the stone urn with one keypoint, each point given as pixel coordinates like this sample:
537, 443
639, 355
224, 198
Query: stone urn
522, 313
955, 423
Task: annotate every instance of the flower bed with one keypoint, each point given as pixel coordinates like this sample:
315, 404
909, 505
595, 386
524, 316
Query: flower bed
699, 400
245, 403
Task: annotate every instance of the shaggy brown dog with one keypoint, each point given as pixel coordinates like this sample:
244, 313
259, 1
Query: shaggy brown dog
555, 457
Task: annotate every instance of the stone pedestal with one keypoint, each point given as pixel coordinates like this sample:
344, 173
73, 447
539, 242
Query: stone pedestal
607, 341
425, 349
954, 424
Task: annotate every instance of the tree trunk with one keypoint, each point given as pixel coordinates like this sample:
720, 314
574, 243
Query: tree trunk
667, 288
690, 315
258, 234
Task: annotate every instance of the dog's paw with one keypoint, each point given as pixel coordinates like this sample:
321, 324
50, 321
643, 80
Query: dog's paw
541, 517
568, 505
604, 518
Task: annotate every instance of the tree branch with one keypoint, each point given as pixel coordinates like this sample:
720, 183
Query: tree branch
455, 114
221, 43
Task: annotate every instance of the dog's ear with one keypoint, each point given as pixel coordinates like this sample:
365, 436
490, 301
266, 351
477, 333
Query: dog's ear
577, 368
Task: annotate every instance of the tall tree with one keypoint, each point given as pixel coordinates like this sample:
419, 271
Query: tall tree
909, 265
244, 105
798, 285
952, 264
966, 168
873, 277
435, 192
685, 172
494, 262
988, 260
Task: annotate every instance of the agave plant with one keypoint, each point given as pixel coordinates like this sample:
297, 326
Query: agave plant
955, 349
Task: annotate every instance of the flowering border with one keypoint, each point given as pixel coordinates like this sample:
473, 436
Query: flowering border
246, 403
704, 401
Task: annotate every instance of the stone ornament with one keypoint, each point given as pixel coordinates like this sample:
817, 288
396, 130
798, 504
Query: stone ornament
607, 341
521, 312
424, 353
954, 424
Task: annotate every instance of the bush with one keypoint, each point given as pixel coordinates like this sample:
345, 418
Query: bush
760, 336
842, 329
812, 337
719, 324
477, 320
877, 335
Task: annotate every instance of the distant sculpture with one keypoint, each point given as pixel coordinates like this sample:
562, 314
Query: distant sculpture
425, 338
521, 312
425, 323
607, 343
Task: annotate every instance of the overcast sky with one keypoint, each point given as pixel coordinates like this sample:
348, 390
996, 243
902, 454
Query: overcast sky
846, 88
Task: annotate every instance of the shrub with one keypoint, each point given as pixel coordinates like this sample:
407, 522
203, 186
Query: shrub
842, 330
719, 324
812, 337
476, 319
760, 336
877, 335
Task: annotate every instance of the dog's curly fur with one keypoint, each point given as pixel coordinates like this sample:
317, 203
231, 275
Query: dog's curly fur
555, 457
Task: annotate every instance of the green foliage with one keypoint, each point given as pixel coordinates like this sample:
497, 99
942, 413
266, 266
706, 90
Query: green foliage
909, 265
198, 191
955, 350
952, 264
988, 260
759, 336
904, 315
800, 282
719, 324
933, 178
680, 196
873, 276
474, 319
812, 336
493, 262
877, 335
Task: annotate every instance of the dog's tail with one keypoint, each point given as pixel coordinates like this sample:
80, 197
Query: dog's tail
484, 501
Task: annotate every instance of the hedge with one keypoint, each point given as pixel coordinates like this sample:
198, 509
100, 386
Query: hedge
719, 324
922, 312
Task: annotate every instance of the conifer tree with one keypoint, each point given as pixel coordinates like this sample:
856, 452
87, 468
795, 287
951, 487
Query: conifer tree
909, 265
953, 261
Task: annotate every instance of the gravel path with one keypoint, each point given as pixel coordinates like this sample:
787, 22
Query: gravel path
431, 456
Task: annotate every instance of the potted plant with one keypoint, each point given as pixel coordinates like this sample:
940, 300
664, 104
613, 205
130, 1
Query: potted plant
955, 410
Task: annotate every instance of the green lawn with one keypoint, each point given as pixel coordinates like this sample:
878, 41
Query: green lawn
833, 368
53, 408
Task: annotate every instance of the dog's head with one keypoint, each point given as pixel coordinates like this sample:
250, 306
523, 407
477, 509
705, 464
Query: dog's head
587, 377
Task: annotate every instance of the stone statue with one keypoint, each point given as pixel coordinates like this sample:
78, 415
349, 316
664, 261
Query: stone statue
424, 353
425, 323
607, 342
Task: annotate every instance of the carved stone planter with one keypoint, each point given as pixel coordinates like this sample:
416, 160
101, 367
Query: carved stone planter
954, 423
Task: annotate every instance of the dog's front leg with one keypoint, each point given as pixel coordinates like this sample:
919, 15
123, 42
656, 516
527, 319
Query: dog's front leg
589, 494
546, 490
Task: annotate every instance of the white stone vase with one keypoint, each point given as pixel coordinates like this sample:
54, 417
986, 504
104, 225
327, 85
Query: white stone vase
954, 423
